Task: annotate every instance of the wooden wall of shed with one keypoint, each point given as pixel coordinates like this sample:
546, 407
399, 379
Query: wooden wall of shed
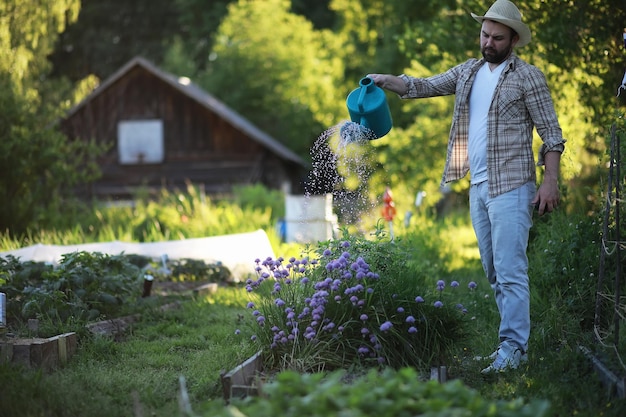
199, 146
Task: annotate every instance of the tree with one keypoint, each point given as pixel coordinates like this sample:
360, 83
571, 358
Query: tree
37, 164
107, 34
275, 69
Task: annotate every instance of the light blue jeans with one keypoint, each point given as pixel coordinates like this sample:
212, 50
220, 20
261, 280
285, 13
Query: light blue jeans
502, 225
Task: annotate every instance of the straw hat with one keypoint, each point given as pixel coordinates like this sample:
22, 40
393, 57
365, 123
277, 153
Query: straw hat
505, 12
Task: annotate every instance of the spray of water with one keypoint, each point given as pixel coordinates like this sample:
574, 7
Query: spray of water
341, 158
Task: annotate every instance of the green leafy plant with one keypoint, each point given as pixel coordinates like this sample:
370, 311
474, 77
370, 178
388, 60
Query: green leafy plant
85, 286
390, 393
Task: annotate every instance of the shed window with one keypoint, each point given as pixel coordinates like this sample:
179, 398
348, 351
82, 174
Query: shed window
140, 141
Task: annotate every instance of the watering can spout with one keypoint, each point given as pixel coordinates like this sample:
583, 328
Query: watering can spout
368, 107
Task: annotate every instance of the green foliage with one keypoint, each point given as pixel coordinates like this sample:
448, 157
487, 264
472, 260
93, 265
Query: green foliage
297, 97
259, 197
190, 270
382, 394
565, 250
38, 168
354, 302
199, 341
84, 287
177, 214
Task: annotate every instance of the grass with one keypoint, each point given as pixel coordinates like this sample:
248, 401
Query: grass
139, 375
113, 378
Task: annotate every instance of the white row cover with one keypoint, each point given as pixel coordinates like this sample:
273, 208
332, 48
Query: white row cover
237, 251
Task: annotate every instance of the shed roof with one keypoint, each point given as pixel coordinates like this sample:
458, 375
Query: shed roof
193, 91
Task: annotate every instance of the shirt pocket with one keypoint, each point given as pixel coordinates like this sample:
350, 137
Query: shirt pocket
511, 104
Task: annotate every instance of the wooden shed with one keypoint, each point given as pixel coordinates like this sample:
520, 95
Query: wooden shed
164, 131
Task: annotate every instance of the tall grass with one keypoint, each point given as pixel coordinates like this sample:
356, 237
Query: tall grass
170, 215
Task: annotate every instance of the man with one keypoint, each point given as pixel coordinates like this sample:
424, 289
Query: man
499, 100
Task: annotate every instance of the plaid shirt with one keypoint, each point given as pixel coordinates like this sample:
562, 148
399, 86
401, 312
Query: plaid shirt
521, 102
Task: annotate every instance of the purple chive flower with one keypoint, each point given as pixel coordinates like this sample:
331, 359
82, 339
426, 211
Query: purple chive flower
471, 285
438, 304
327, 252
363, 317
345, 244
400, 310
253, 337
410, 319
250, 305
364, 331
419, 299
412, 329
454, 284
381, 360
386, 326
237, 331
260, 320
304, 280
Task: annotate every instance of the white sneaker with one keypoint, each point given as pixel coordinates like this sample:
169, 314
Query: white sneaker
492, 357
505, 358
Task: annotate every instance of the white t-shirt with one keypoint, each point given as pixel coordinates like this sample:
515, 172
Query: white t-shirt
480, 101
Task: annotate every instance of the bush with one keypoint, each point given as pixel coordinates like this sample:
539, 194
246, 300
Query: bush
353, 302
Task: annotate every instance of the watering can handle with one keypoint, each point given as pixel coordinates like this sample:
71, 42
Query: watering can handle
361, 98
366, 84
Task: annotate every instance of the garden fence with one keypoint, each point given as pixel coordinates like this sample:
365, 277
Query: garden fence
610, 306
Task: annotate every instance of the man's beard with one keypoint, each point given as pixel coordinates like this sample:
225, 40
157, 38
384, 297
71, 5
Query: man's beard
492, 56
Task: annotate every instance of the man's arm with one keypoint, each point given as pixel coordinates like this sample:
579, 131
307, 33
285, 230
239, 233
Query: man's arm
389, 82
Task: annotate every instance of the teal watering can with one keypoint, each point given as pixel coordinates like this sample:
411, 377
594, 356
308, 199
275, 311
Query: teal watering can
368, 107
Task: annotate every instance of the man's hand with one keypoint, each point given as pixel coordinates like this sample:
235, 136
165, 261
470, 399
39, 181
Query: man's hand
547, 197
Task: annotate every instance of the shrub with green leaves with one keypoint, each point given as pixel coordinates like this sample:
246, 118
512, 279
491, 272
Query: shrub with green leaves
353, 302
388, 393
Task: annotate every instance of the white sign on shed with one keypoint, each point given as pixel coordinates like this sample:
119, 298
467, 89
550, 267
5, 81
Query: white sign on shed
140, 141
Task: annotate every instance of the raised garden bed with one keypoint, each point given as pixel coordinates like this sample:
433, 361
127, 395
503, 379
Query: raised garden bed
42, 353
246, 378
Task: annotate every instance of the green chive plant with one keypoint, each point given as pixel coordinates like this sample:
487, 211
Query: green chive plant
353, 303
